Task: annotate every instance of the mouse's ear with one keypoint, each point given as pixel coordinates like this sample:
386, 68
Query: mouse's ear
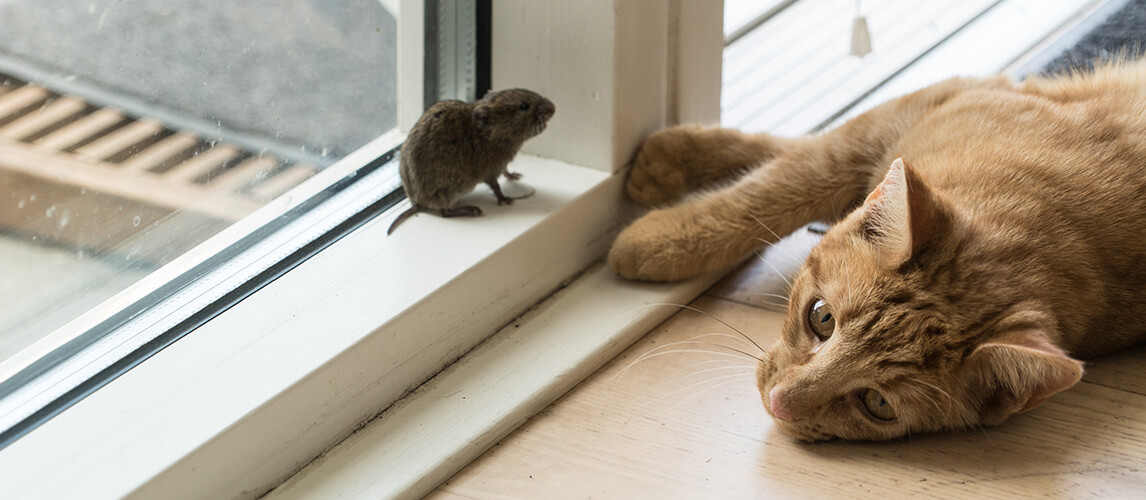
481, 117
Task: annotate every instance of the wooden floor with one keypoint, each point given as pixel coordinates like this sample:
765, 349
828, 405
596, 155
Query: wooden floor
683, 420
678, 417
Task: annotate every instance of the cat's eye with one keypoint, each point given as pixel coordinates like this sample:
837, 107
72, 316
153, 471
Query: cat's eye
821, 320
877, 405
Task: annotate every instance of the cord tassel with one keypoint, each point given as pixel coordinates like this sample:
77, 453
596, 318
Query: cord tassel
861, 38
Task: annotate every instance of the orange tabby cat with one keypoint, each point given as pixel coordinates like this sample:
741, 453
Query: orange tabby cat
986, 234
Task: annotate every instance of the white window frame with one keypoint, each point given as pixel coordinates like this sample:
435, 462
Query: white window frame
239, 405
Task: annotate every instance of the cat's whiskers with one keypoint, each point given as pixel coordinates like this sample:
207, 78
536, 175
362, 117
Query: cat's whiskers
739, 340
785, 298
740, 373
937, 389
722, 368
658, 352
728, 351
848, 278
714, 318
712, 382
926, 391
780, 306
773, 244
774, 305
779, 273
768, 245
691, 369
726, 354
923, 395
832, 203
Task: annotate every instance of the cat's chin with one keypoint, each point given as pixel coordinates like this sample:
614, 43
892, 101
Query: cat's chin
801, 433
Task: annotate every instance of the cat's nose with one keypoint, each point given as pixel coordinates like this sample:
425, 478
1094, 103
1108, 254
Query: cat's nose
776, 402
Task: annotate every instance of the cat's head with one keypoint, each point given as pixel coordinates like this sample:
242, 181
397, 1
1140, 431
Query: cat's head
898, 324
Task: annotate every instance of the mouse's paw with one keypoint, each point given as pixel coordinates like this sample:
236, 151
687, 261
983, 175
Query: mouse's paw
462, 211
513, 176
661, 246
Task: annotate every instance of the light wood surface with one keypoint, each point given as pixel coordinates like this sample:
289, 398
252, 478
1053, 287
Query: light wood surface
655, 423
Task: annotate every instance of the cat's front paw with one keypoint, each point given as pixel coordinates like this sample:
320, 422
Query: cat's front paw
679, 160
657, 247
657, 176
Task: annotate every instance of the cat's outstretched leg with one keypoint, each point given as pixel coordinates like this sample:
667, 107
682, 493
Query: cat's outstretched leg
680, 160
815, 178
719, 228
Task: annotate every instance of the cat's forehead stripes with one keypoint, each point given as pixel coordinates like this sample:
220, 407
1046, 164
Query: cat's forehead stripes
845, 282
897, 327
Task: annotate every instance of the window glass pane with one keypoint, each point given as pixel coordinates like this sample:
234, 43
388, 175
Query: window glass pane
132, 131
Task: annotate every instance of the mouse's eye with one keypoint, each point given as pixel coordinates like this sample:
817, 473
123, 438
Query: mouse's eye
524, 106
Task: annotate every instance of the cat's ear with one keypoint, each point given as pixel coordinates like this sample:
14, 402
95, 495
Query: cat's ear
903, 215
1018, 372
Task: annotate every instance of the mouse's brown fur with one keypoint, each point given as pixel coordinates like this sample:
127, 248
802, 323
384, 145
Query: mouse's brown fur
455, 145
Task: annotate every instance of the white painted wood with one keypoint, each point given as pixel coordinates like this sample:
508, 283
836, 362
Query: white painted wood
411, 61
456, 416
776, 46
797, 98
904, 38
574, 71
641, 52
695, 70
738, 13
610, 70
234, 408
985, 47
1064, 37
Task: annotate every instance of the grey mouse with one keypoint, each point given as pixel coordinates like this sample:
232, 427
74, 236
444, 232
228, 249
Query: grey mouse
455, 145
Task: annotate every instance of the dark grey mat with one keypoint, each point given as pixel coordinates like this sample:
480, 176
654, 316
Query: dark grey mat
1123, 34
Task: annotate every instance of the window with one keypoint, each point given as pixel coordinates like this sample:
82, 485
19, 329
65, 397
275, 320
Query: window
161, 160
261, 389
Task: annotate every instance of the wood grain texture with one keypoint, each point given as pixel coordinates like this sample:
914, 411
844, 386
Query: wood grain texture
691, 425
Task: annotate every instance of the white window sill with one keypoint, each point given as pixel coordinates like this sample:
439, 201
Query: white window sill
294, 368
415, 446
236, 407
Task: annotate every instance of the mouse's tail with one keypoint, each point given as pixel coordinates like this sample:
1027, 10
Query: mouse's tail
401, 217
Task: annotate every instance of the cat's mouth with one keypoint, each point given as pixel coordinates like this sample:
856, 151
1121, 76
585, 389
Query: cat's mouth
790, 424
793, 425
